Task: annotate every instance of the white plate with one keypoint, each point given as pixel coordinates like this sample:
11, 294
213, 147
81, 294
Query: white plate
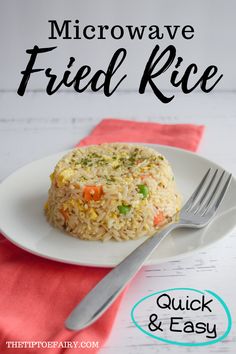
22, 220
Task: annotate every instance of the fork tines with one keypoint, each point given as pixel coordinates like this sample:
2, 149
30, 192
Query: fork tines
209, 193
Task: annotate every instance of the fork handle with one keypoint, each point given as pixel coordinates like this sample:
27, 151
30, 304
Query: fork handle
106, 291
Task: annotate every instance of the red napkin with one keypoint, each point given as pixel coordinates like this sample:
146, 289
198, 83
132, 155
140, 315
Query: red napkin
185, 136
38, 294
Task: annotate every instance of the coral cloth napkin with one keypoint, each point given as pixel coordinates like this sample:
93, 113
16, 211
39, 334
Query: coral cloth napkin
185, 136
38, 294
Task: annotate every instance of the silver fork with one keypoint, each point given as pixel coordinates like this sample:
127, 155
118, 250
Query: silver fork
197, 212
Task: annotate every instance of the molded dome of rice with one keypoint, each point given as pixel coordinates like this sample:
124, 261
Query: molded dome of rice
112, 191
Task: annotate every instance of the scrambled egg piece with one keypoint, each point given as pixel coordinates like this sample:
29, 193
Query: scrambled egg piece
80, 205
68, 203
92, 214
52, 175
64, 176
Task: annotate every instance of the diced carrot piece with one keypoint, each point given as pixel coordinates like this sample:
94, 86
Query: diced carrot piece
159, 218
64, 213
92, 193
146, 176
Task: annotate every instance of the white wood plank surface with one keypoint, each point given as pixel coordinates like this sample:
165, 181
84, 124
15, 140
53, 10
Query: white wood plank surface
37, 125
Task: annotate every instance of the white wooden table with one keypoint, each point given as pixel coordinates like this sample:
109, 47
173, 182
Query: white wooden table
37, 125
